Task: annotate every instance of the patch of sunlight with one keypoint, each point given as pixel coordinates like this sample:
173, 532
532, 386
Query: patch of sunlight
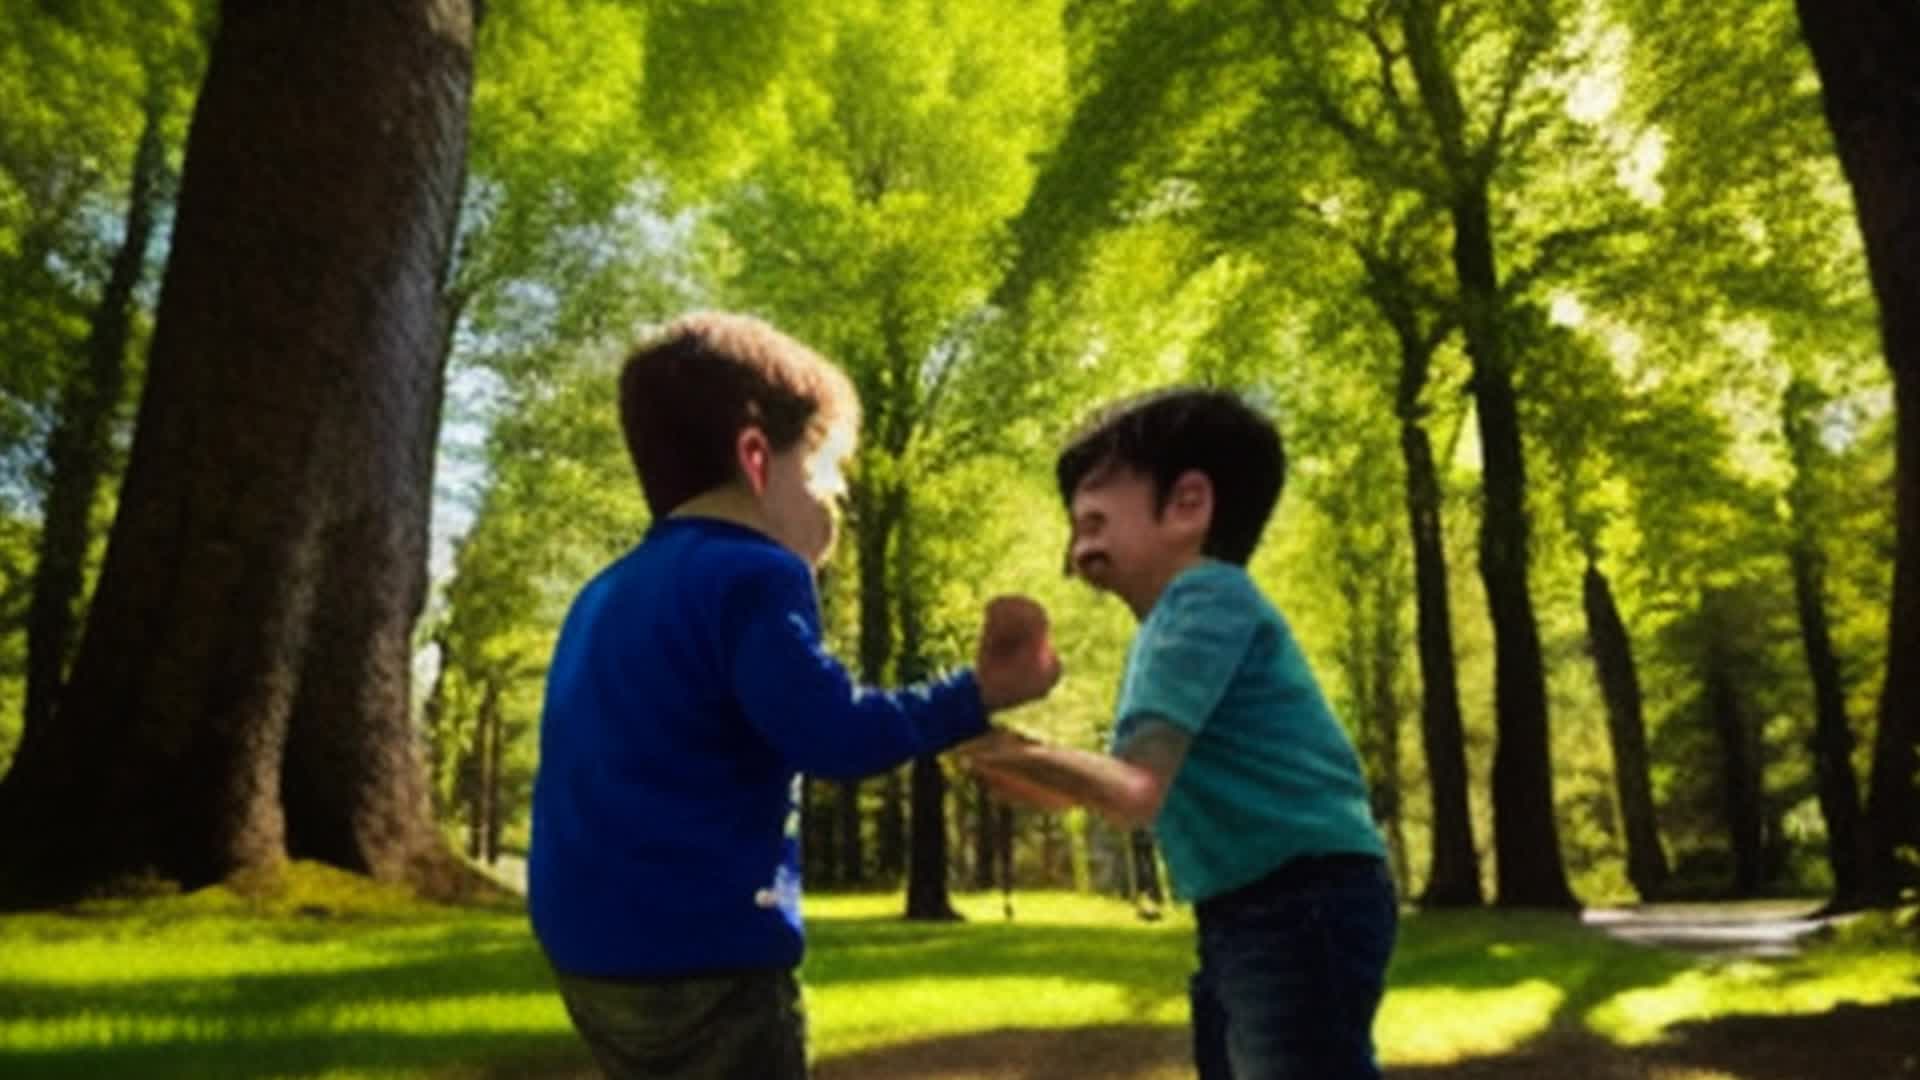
131, 962
1755, 988
1427, 1026
531, 1012
851, 1016
1638, 169
523, 1013
1566, 310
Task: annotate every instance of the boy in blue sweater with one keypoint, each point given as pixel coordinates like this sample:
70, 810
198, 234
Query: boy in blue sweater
690, 686
1222, 742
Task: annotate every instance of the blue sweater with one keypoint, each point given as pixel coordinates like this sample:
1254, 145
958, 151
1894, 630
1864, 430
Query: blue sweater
688, 689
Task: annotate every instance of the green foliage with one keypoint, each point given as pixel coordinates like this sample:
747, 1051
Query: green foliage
560, 501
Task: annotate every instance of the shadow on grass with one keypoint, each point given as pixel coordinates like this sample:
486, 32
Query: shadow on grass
1850, 1042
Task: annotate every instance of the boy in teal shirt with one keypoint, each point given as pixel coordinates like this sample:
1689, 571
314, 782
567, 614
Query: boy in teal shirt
1223, 742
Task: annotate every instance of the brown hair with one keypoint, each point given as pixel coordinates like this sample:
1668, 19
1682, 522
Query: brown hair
686, 395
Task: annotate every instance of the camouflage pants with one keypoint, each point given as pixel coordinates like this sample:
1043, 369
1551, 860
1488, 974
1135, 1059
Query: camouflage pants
744, 1026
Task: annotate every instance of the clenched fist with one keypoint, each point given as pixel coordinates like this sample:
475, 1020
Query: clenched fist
1015, 663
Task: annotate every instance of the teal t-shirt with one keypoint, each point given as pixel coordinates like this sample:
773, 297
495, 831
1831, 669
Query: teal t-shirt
1269, 773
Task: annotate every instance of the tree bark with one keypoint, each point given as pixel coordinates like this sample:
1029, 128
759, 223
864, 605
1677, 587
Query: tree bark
1863, 52
80, 449
1527, 859
241, 690
1627, 732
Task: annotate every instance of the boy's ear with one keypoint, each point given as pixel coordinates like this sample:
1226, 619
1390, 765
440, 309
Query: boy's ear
753, 453
1191, 500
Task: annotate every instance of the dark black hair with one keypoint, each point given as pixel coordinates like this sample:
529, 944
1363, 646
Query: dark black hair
1169, 432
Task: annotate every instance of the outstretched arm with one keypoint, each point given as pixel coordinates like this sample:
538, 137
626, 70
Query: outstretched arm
1127, 788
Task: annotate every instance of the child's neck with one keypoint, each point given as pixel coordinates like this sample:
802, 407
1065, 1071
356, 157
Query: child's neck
731, 504
1143, 603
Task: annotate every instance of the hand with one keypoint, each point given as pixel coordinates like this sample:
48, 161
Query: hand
1015, 663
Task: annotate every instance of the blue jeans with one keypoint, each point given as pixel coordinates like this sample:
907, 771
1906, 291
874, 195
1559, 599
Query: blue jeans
1292, 969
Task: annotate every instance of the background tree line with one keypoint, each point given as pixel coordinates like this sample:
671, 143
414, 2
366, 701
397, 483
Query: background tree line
1586, 324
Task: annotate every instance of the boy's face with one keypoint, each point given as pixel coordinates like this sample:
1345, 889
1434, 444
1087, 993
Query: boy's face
1126, 544
803, 489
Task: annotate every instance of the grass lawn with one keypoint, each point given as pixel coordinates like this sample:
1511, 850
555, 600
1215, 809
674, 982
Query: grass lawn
348, 981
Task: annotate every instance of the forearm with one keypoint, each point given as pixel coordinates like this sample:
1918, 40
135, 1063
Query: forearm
1120, 791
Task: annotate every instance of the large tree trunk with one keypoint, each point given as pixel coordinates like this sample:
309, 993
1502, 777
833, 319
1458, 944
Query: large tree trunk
1627, 732
1526, 838
81, 447
1864, 53
241, 691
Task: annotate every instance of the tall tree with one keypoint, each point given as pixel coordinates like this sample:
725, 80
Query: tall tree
873, 236
1453, 877
1862, 50
79, 449
84, 193
241, 690
1584, 414
1619, 678
1833, 742
1527, 844
1273, 117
